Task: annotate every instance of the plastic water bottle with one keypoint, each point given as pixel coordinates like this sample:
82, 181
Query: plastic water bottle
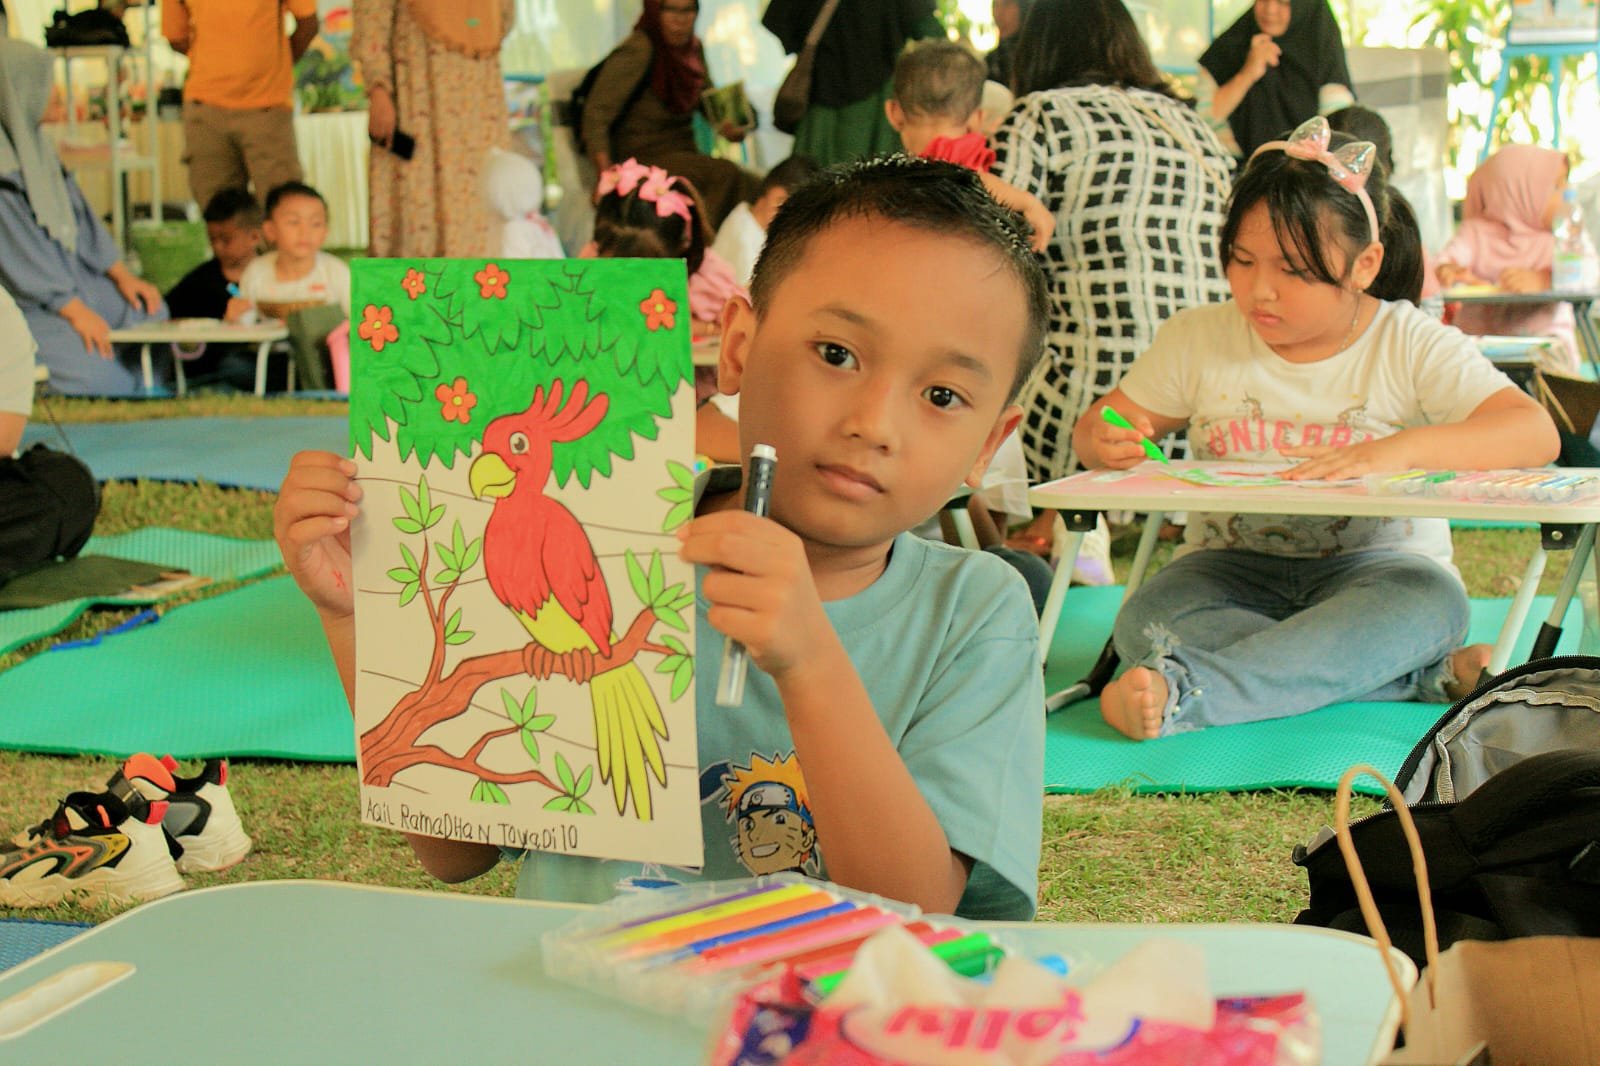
1573, 266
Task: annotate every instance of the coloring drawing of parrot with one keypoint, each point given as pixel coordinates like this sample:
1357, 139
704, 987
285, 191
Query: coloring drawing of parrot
541, 565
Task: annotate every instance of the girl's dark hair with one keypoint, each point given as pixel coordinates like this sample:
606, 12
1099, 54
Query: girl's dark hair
1067, 43
1308, 209
628, 227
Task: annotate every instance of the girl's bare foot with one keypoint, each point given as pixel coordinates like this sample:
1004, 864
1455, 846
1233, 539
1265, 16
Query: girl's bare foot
1467, 665
1132, 704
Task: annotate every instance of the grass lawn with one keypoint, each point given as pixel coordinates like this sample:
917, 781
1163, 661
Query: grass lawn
1111, 856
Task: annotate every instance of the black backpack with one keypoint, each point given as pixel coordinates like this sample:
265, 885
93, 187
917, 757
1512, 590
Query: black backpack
48, 504
1505, 793
572, 112
92, 27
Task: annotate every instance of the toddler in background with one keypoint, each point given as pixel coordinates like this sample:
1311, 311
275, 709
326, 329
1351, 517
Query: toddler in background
936, 108
645, 213
297, 271
210, 290
514, 188
744, 231
995, 104
1505, 240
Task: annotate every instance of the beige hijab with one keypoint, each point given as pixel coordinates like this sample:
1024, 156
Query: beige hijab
471, 27
24, 94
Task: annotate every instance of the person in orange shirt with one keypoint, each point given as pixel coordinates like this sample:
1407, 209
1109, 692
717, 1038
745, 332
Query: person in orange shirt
238, 117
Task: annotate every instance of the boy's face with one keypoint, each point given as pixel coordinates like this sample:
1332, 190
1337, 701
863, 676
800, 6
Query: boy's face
880, 372
298, 226
233, 244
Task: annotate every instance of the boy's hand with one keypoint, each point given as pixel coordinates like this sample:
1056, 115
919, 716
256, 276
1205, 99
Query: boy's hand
1042, 221
238, 308
1322, 462
311, 523
759, 587
1521, 279
140, 294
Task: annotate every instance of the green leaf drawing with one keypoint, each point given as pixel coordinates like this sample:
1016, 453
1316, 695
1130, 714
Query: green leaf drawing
488, 792
658, 576
580, 807
581, 787
530, 744
559, 803
636, 578
564, 772
519, 712
409, 593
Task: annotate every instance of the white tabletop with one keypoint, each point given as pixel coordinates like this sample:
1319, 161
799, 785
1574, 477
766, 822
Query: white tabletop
1149, 487
208, 330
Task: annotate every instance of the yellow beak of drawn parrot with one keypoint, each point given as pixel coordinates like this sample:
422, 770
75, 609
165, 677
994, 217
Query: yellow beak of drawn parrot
490, 476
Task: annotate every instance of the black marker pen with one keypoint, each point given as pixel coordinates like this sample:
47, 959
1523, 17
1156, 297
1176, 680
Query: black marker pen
757, 500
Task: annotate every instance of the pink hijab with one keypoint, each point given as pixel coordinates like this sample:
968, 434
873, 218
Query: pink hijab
1502, 225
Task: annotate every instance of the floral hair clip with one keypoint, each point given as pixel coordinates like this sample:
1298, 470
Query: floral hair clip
1349, 166
653, 184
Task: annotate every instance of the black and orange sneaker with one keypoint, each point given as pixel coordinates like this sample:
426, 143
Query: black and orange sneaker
95, 847
203, 828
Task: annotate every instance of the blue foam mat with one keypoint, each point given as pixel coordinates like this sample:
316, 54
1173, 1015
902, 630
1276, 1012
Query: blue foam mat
1083, 754
23, 938
250, 453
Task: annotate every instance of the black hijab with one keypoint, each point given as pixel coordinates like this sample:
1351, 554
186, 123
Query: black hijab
856, 55
1313, 56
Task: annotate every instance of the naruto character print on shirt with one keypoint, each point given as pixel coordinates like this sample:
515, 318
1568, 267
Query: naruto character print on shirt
766, 804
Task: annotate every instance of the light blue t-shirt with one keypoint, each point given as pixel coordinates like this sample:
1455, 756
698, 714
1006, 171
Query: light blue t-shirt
946, 643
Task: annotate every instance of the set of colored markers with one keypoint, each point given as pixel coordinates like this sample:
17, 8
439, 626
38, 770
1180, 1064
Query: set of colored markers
693, 947
1528, 486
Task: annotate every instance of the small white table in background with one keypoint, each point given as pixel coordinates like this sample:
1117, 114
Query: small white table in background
203, 331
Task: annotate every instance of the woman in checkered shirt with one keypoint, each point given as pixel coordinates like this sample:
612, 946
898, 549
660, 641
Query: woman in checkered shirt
1138, 184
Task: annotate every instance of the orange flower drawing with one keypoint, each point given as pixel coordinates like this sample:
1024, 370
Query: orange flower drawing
414, 283
455, 402
376, 329
492, 282
658, 310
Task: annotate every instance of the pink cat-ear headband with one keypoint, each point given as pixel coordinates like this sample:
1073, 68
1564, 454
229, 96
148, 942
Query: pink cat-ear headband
1349, 166
653, 183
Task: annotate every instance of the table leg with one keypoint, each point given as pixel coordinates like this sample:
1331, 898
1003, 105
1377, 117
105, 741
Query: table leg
147, 370
1512, 626
1588, 337
262, 351
1051, 615
179, 380
1544, 645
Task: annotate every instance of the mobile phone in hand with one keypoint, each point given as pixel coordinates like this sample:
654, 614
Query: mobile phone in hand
403, 144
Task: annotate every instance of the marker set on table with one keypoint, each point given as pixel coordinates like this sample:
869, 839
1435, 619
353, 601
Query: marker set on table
1527, 486
688, 957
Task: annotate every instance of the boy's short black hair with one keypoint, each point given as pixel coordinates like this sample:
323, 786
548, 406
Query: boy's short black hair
233, 205
927, 195
790, 174
280, 193
939, 78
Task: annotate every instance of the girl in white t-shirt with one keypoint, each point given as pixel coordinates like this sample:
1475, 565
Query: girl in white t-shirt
1317, 359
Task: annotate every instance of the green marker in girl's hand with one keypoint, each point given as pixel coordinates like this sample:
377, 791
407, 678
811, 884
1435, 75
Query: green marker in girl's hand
1112, 415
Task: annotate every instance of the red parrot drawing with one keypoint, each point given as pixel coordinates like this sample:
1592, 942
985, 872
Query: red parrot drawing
541, 565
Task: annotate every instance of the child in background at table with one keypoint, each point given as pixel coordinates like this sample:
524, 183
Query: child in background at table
894, 681
1505, 240
645, 213
514, 188
210, 290
1266, 616
745, 229
936, 108
297, 270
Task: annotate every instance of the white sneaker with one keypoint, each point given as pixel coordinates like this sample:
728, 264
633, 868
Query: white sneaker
202, 825
95, 847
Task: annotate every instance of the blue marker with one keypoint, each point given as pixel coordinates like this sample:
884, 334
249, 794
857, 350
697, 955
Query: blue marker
233, 288
757, 500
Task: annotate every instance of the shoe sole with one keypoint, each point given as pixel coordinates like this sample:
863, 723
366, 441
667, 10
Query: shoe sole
110, 886
214, 854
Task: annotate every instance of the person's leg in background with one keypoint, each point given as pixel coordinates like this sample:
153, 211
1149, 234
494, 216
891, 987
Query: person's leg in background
265, 136
210, 151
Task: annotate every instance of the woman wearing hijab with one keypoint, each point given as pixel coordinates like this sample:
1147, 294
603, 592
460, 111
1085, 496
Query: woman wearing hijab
854, 64
56, 260
643, 105
432, 73
1505, 240
1281, 63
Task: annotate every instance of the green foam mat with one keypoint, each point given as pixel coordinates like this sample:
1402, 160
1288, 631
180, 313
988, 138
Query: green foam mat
219, 558
246, 672
1083, 754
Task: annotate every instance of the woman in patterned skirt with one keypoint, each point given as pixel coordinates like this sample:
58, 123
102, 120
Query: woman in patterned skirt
432, 71
1138, 184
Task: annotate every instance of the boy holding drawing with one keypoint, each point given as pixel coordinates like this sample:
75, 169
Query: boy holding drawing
890, 736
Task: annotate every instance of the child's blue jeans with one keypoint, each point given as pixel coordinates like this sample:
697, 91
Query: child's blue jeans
1240, 636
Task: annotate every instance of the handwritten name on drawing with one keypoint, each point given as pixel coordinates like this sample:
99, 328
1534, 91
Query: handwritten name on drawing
1241, 435
562, 837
